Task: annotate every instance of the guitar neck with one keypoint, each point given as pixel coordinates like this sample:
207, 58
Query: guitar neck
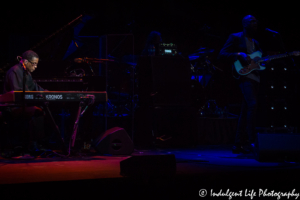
275, 57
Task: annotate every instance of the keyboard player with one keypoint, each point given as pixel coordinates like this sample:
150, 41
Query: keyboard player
33, 114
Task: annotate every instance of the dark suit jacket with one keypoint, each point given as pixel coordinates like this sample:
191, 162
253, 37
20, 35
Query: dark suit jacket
235, 43
228, 54
14, 80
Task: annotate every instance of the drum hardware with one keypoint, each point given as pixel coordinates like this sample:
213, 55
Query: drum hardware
74, 73
211, 109
203, 71
79, 71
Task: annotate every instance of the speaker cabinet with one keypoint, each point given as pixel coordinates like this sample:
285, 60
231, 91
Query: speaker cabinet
277, 147
149, 165
114, 141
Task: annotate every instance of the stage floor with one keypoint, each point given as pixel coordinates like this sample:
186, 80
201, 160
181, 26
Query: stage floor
213, 168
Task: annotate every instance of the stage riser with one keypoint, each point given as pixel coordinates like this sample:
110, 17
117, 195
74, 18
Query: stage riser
278, 147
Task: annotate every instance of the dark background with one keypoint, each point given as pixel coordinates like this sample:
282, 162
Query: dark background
189, 24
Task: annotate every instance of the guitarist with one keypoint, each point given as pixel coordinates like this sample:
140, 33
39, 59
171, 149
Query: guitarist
238, 46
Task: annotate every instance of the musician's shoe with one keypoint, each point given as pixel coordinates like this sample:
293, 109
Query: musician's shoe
26, 156
33, 146
21, 154
247, 148
11, 153
36, 149
237, 149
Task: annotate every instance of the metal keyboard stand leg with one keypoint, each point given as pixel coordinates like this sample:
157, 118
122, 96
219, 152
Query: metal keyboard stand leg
58, 135
81, 104
79, 114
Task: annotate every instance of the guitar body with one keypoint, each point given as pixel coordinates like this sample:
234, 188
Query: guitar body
244, 70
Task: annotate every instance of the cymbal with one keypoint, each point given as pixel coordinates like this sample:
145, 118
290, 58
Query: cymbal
91, 60
131, 63
193, 57
205, 51
200, 53
130, 59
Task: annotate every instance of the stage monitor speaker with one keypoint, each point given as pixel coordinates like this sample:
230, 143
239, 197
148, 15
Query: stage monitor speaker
277, 147
149, 166
114, 141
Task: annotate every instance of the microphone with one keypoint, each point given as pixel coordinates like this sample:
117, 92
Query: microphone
271, 31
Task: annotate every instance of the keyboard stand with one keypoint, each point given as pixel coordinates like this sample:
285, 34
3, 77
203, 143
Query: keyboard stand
55, 127
91, 100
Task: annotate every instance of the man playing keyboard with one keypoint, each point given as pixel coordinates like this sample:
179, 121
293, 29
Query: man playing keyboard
35, 115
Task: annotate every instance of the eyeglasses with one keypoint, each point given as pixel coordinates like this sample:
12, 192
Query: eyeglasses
33, 63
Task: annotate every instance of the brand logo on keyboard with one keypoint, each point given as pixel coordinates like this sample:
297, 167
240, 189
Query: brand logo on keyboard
28, 96
53, 96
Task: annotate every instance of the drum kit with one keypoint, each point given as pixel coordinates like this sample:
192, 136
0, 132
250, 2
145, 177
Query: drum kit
120, 82
203, 70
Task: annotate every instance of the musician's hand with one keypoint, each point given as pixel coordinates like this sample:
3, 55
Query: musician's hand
242, 55
244, 58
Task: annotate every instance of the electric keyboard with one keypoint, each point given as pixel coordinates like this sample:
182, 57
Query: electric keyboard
53, 96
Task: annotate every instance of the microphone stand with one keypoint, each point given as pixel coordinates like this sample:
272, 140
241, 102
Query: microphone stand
24, 82
23, 96
282, 45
